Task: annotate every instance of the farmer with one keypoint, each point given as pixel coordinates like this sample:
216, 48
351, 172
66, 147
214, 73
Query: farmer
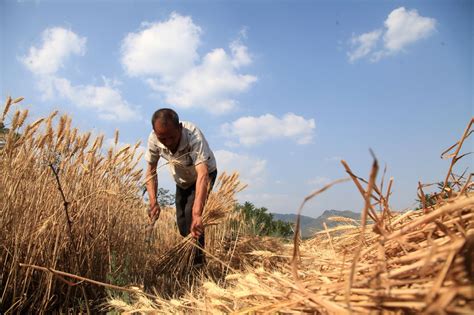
193, 167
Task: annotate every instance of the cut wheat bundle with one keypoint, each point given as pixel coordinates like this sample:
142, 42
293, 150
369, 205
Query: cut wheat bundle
178, 261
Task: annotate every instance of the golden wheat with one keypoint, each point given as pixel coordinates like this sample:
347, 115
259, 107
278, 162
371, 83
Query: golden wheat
416, 261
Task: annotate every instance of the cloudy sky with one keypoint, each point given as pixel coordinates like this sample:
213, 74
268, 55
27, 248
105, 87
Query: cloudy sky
283, 90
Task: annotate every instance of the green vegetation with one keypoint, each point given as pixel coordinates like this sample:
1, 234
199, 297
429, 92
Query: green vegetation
260, 222
165, 198
432, 198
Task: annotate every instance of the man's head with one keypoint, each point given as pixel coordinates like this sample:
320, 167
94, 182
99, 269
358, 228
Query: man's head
167, 127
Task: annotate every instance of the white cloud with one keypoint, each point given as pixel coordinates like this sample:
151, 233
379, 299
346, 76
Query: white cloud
106, 100
167, 49
251, 169
210, 85
240, 54
402, 28
255, 130
364, 44
406, 27
58, 44
44, 62
165, 55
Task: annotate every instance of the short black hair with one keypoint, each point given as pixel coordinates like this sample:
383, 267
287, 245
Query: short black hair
165, 116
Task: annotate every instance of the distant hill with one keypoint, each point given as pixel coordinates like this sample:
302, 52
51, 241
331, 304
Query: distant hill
310, 225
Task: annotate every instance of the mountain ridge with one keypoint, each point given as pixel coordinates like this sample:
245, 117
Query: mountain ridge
310, 225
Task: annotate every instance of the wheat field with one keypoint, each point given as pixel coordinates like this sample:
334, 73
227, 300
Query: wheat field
75, 238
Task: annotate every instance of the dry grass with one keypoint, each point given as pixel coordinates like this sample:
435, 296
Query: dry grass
173, 269
418, 261
73, 229
70, 206
95, 230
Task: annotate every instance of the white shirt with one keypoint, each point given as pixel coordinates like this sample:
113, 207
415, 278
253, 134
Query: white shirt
193, 149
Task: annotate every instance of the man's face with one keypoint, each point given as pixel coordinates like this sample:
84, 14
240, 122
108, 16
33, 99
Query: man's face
168, 134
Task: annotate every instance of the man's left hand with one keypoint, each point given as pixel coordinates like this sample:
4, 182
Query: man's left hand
197, 228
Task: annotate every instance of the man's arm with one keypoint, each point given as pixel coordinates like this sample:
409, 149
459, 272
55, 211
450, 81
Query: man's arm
151, 178
202, 184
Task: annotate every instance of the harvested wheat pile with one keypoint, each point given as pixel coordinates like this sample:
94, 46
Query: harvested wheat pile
73, 228
417, 261
424, 264
253, 252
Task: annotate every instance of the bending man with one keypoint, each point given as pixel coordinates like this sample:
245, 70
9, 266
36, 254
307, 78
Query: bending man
193, 167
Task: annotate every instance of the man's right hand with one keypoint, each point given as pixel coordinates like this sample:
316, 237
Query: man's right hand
154, 212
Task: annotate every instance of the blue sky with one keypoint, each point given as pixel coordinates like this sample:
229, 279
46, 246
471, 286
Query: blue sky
282, 89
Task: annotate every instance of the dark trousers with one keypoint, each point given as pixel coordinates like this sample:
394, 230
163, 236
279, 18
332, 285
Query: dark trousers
184, 212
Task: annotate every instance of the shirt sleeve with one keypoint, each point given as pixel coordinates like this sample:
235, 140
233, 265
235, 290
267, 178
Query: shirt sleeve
200, 151
152, 153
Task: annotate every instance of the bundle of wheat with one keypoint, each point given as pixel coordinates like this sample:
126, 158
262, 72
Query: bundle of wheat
177, 262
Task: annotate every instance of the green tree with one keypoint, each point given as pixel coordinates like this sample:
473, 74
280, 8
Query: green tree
282, 228
260, 222
165, 198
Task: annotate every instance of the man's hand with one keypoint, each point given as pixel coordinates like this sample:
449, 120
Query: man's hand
154, 212
197, 228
